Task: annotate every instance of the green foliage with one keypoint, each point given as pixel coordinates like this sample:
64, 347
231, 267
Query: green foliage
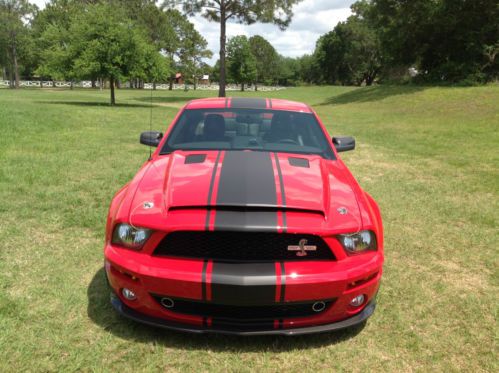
289, 71
105, 43
267, 59
102, 40
350, 54
278, 12
15, 32
246, 12
448, 40
241, 62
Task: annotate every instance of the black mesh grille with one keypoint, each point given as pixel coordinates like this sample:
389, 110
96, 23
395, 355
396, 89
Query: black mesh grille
241, 246
244, 313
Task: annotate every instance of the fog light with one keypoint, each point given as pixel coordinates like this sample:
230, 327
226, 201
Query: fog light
357, 301
128, 294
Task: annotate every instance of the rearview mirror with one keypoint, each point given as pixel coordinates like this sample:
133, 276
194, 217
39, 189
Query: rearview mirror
344, 143
151, 138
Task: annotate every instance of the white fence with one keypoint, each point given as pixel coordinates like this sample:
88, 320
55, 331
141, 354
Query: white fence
88, 84
49, 83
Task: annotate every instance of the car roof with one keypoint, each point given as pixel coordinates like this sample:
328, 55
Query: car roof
248, 103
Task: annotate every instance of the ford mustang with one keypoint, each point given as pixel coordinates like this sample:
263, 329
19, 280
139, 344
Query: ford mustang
244, 221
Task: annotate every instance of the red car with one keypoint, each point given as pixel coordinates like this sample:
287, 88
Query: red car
245, 221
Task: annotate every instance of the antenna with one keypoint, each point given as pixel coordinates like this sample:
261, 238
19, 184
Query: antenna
150, 121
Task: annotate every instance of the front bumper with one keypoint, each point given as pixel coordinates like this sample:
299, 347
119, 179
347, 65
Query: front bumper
165, 324
222, 297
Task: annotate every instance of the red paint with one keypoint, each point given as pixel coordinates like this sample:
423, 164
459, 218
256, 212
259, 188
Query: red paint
180, 191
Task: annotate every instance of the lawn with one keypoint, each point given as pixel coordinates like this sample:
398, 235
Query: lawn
429, 156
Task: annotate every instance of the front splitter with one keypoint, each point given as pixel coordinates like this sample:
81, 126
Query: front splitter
128, 312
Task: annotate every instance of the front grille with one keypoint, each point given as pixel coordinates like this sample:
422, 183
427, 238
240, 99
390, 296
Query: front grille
241, 246
244, 313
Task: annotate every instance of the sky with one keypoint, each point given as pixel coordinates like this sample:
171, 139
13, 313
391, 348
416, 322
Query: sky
312, 18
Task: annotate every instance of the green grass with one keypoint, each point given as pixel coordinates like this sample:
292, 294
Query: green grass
429, 156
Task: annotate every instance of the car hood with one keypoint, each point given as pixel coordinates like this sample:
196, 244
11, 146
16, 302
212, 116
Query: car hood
246, 189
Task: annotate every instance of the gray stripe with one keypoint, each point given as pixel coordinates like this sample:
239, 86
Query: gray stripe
246, 179
243, 284
248, 103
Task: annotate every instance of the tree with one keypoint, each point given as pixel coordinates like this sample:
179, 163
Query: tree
185, 46
350, 54
14, 32
288, 71
105, 43
192, 48
449, 40
278, 12
241, 62
267, 59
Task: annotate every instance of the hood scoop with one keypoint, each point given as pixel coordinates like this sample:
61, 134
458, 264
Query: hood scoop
299, 162
195, 158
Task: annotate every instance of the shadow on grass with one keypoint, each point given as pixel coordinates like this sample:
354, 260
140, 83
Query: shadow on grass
103, 314
95, 103
371, 94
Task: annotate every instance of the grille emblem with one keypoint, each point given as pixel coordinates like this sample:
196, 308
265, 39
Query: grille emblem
302, 248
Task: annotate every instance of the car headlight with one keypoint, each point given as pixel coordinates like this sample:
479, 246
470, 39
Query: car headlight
358, 242
130, 237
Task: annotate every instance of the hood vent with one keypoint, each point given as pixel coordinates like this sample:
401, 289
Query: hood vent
299, 162
195, 158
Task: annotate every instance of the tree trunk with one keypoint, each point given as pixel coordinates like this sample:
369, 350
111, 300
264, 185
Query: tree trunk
71, 85
93, 83
242, 87
16, 66
256, 87
11, 79
221, 90
111, 85
153, 86
41, 82
170, 88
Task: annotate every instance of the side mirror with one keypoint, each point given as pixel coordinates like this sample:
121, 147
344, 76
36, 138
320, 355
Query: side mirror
151, 138
344, 143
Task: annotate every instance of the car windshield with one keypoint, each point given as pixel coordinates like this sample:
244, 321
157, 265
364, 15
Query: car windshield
248, 129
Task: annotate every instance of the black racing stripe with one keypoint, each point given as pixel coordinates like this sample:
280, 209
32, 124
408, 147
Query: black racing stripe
246, 179
283, 193
283, 281
243, 284
210, 192
247, 221
203, 279
248, 103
